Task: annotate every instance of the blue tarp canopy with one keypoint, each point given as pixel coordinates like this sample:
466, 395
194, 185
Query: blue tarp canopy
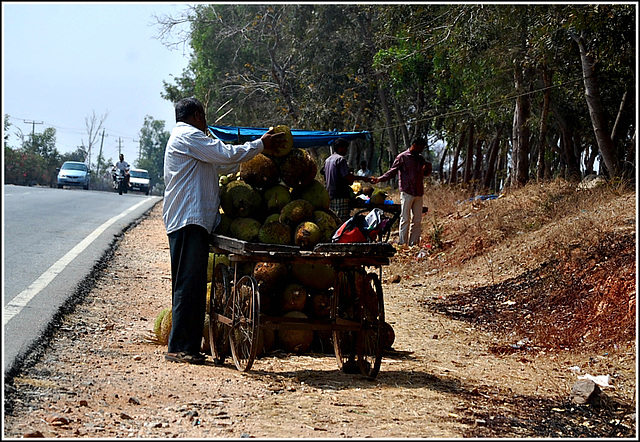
301, 138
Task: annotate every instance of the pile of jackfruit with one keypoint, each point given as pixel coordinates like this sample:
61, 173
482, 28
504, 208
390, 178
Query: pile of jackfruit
275, 198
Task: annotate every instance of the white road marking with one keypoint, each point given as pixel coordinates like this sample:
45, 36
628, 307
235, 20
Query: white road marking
22, 299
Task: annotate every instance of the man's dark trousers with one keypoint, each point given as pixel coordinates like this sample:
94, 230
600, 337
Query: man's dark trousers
189, 250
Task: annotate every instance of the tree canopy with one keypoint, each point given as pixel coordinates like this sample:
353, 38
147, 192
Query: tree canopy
515, 92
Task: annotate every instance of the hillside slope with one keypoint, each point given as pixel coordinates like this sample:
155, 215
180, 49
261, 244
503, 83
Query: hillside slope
553, 263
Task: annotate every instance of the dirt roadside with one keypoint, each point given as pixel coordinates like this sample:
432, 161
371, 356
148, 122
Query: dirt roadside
99, 378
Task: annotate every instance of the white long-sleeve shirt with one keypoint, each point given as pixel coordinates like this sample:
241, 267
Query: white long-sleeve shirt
192, 164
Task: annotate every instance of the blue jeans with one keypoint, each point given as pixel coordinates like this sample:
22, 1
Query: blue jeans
189, 250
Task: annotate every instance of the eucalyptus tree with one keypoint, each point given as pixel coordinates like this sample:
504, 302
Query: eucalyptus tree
153, 139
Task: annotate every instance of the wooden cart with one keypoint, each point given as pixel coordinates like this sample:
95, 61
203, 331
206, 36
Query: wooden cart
356, 319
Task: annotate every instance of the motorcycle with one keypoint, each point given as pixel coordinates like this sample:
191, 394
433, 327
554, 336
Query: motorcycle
120, 180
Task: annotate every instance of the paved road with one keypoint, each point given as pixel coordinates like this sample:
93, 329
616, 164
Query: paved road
52, 239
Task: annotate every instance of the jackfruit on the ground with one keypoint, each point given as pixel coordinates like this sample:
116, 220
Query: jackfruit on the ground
295, 341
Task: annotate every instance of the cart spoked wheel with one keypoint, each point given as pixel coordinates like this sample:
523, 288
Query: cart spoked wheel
219, 303
343, 306
245, 312
369, 341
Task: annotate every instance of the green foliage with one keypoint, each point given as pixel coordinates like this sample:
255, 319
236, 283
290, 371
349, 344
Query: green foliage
439, 67
153, 139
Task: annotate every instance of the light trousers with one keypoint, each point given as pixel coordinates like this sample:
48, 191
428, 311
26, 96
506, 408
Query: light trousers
410, 219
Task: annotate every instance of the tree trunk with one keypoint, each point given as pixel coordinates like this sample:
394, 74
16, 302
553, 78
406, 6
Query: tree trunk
477, 171
542, 149
453, 178
468, 162
364, 21
596, 109
572, 165
492, 156
591, 159
521, 132
441, 165
403, 127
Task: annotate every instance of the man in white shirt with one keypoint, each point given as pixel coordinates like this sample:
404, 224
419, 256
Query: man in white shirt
192, 163
364, 170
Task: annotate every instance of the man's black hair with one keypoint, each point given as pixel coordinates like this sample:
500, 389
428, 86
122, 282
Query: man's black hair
341, 142
420, 142
187, 107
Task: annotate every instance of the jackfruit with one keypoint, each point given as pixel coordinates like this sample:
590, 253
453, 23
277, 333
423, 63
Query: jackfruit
295, 341
314, 275
273, 218
296, 211
224, 225
276, 198
298, 169
270, 276
246, 229
315, 193
320, 304
378, 196
215, 259
239, 200
165, 327
294, 297
307, 235
275, 232
327, 224
158, 322
288, 144
206, 342
260, 171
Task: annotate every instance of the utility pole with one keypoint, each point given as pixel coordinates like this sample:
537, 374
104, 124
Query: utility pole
139, 150
100, 154
33, 127
119, 146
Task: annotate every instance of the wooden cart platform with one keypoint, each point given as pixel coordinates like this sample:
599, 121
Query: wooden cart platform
356, 320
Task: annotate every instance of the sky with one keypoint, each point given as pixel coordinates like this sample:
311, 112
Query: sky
63, 62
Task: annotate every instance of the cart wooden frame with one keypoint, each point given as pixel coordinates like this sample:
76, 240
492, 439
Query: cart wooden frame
356, 319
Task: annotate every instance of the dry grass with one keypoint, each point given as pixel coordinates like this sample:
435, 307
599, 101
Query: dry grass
560, 260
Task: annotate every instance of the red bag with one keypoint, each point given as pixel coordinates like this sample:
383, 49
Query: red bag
350, 231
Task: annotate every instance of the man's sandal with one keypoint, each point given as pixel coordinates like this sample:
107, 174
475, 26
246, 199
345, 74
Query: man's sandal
184, 357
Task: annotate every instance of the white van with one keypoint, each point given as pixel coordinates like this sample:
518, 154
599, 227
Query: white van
139, 180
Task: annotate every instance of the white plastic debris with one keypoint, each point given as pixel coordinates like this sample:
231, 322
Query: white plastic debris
602, 380
575, 369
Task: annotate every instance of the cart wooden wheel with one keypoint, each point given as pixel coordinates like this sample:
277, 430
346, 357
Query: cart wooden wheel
219, 303
343, 306
369, 338
245, 313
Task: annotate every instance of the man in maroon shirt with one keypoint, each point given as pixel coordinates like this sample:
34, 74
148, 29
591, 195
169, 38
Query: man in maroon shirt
412, 168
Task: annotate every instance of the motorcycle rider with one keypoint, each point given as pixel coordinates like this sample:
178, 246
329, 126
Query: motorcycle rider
122, 167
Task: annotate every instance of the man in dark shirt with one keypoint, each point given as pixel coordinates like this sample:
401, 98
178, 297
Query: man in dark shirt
338, 178
412, 168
